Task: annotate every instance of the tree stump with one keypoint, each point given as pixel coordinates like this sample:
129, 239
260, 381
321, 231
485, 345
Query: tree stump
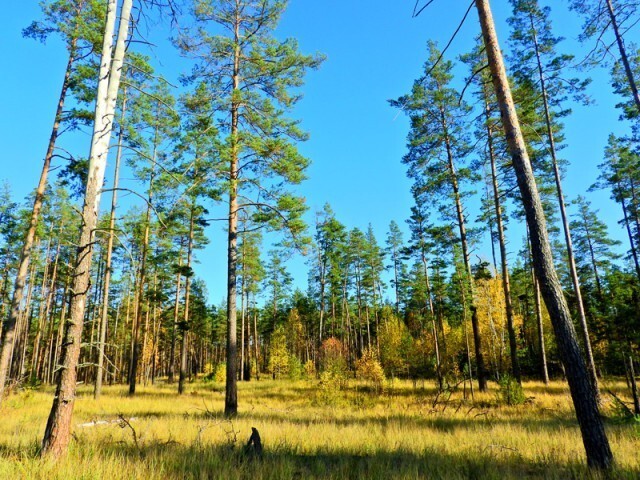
254, 445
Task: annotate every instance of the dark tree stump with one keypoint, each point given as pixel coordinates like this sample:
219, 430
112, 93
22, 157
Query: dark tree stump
254, 445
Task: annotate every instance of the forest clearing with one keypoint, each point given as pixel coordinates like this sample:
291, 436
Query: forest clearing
403, 433
439, 279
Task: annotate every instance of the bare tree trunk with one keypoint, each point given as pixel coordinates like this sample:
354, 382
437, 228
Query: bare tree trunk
634, 387
506, 285
595, 440
9, 326
176, 311
135, 353
543, 349
231, 388
475, 324
185, 321
623, 55
58, 430
104, 319
256, 340
632, 243
591, 366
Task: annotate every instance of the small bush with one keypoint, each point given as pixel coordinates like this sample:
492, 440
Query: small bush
220, 373
295, 368
511, 391
309, 370
369, 368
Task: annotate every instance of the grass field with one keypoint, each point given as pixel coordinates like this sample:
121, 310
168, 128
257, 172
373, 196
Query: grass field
307, 433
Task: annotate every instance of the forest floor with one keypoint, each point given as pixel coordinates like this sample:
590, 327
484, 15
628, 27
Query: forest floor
311, 432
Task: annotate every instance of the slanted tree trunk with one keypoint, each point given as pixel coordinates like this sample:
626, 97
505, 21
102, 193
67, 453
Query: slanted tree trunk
58, 431
104, 318
9, 326
595, 440
623, 55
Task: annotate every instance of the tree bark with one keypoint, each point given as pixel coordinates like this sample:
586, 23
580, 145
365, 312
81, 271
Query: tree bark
231, 388
58, 430
634, 387
176, 311
104, 319
187, 291
135, 353
595, 440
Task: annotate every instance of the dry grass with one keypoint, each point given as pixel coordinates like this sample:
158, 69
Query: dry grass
354, 434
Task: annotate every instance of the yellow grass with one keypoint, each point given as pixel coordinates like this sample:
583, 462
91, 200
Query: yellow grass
355, 434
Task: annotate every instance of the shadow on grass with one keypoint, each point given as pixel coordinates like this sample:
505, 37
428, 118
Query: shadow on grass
286, 462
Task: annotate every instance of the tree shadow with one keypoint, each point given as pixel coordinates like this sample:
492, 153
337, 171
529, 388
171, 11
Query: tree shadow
287, 462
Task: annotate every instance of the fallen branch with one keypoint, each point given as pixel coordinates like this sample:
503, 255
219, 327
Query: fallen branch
97, 423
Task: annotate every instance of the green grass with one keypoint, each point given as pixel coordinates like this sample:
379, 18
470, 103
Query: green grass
308, 434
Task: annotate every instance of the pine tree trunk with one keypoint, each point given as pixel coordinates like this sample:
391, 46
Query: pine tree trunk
256, 340
543, 350
104, 319
506, 285
623, 55
632, 243
140, 311
475, 324
176, 310
9, 325
231, 389
634, 387
185, 319
595, 440
591, 365
58, 430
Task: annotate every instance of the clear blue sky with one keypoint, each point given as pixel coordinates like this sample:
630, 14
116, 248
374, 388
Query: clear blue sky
374, 52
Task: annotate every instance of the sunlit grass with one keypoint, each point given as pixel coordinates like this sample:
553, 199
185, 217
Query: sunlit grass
400, 433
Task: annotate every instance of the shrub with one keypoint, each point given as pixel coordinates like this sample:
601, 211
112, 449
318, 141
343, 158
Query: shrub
369, 368
511, 391
279, 358
220, 373
309, 370
295, 368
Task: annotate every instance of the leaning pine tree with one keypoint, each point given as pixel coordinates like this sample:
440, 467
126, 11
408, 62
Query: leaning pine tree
594, 437
249, 75
58, 431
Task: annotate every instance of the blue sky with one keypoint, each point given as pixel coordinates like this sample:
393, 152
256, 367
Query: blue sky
374, 52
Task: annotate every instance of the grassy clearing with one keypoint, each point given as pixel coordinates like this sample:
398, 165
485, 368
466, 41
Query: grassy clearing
309, 434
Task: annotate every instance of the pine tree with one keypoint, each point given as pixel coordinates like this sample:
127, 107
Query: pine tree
438, 146
249, 77
603, 16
